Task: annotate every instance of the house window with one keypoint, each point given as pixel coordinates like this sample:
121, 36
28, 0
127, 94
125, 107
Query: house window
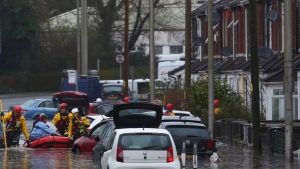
232, 83
278, 108
176, 49
158, 50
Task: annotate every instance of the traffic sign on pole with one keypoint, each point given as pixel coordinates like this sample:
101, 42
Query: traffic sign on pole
119, 59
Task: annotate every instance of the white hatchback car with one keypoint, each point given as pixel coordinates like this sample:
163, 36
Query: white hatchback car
137, 142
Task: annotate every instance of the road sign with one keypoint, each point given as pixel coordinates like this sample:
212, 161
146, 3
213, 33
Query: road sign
119, 58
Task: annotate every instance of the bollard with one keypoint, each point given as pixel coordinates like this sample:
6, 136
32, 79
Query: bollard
214, 158
183, 157
195, 155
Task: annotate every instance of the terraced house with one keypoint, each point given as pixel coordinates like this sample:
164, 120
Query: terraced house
231, 50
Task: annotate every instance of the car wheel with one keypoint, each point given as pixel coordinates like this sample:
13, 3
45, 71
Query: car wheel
76, 150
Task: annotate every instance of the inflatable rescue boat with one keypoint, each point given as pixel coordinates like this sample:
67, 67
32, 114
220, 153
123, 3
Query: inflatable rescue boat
50, 142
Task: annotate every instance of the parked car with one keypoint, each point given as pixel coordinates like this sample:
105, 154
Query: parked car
86, 142
181, 113
97, 108
190, 129
114, 92
137, 141
74, 99
34, 107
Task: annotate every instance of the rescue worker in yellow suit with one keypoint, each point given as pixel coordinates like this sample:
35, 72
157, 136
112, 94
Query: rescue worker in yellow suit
77, 126
169, 111
15, 123
62, 119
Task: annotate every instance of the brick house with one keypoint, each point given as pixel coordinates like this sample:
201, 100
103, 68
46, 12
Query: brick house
231, 30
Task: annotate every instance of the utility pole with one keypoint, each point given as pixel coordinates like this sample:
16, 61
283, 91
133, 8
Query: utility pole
254, 76
78, 41
84, 43
211, 79
126, 62
151, 38
288, 101
187, 47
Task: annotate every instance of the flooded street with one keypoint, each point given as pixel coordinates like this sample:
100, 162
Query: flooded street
232, 157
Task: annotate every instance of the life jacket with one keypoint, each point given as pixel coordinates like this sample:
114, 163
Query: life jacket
77, 129
168, 113
14, 122
63, 122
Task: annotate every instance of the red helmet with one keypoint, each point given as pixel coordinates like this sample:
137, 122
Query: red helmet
216, 102
169, 106
126, 99
63, 105
17, 109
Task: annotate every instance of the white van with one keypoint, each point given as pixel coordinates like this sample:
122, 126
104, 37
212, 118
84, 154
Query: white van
171, 57
139, 87
165, 67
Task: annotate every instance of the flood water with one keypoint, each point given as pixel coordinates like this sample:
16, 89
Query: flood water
233, 157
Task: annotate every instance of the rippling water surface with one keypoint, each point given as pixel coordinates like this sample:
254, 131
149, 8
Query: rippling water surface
233, 156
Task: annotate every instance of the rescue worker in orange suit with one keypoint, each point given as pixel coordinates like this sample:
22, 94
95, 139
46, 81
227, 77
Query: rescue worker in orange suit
77, 126
62, 119
169, 110
217, 107
15, 123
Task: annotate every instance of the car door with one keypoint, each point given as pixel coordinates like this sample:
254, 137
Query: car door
107, 153
49, 108
89, 142
107, 133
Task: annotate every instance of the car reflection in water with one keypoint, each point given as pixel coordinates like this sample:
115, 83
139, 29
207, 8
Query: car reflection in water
22, 158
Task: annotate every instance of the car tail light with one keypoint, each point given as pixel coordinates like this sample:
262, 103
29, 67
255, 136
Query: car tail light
121, 93
170, 156
23, 111
210, 144
103, 93
120, 154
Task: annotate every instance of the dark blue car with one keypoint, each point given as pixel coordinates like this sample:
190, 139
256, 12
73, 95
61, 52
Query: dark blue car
34, 107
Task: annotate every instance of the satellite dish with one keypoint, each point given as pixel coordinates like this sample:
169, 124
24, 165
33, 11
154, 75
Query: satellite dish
216, 16
264, 52
226, 51
271, 15
198, 41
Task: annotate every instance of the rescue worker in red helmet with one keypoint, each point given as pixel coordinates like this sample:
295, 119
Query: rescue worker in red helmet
77, 126
169, 110
62, 119
217, 107
15, 123
126, 99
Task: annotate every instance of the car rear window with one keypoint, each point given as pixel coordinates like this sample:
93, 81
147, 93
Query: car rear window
142, 141
112, 89
188, 131
29, 103
104, 109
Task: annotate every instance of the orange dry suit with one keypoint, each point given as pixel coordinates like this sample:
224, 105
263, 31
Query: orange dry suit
61, 122
76, 129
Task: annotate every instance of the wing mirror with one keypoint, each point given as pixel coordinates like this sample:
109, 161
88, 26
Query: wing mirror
101, 148
98, 138
85, 134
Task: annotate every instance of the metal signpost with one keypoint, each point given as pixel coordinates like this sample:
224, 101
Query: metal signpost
120, 60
